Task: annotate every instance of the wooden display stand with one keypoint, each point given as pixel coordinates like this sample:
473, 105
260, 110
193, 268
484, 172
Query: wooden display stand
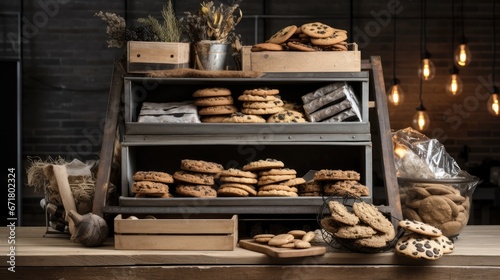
381, 124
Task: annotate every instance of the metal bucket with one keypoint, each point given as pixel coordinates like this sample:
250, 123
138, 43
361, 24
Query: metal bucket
210, 55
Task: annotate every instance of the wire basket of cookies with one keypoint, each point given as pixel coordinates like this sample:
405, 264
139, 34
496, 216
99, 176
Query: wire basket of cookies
353, 225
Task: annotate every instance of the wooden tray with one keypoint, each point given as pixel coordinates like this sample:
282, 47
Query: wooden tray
275, 252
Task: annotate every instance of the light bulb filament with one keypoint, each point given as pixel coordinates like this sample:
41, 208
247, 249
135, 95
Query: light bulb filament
495, 107
421, 121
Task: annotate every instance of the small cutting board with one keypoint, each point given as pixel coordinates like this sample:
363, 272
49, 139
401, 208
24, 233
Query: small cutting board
276, 252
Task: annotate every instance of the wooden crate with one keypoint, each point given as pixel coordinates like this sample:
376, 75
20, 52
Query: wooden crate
177, 232
145, 57
297, 61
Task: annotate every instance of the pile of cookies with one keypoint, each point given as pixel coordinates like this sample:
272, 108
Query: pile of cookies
308, 37
363, 227
273, 178
297, 239
439, 205
261, 101
311, 188
214, 103
196, 178
237, 183
422, 241
151, 184
341, 183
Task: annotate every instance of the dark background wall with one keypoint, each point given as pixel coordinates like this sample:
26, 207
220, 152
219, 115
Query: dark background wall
67, 66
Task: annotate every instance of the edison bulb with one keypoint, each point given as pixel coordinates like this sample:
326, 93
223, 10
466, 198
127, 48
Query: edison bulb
427, 70
493, 104
462, 55
421, 120
454, 85
396, 95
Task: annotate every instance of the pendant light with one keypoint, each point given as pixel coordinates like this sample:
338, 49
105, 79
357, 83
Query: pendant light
396, 93
462, 53
493, 101
426, 69
421, 120
454, 85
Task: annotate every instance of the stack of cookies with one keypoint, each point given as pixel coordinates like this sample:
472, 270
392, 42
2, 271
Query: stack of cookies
237, 183
422, 241
310, 188
261, 101
341, 183
274, 179
197, 178
151, 184
308, 37
363, 227
214, 104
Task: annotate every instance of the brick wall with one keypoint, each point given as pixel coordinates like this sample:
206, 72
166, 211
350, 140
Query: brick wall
67, 66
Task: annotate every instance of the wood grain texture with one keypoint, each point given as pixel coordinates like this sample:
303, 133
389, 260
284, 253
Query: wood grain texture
281, 252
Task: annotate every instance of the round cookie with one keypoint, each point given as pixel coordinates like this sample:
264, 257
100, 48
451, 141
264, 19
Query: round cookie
447, 245
311, 186
217, 110
374, 241
261, 91
369, 214
297, 233
419, 227
230, 191
272, 179
299, 46
309, 236
301, 244
263, 238
418, 247
214, 101
329, 174
282, 35
317, 30
262, 164
267, 46
355, 232
333, 39
201, 166
281, 239
340, 213
294, 182
329, 224
278, 187
435, 210
262, 111
345, 188
238, 173
278, 171
248, 188
214, 118
287, 116
154, 176
251, 97
277, 193
149, 188
239, 117
194, 178
196, 191
209, 92
263, 104
235, 179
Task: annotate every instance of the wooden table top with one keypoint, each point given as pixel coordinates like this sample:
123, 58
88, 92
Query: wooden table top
475, 246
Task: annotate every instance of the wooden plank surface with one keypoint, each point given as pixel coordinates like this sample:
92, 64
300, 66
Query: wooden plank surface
475, 246
275, 252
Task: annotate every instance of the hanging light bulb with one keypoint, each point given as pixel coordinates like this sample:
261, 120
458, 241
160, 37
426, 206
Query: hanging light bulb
427, 70
494, 103
454, 84
396, 94
462, 52
463, 55
421, 120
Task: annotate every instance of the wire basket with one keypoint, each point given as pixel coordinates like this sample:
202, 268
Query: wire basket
348, 245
